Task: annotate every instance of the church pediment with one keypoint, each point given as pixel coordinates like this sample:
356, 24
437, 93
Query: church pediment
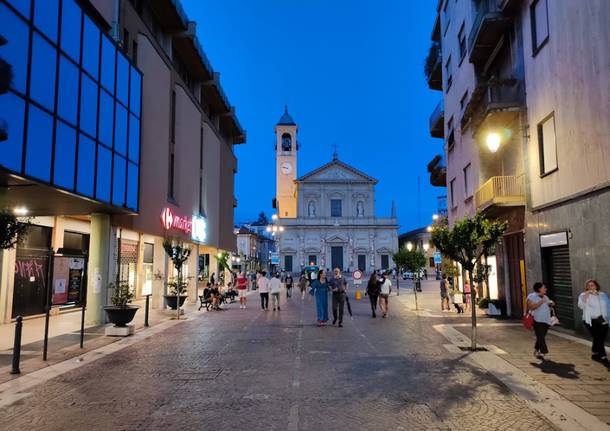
337, 171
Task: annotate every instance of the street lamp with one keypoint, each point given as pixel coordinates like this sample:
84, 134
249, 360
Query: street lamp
493, 141
409, 246
426, 246
434, 217
429, 228
274, 217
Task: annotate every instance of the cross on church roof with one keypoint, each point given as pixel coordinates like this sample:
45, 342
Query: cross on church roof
335, 154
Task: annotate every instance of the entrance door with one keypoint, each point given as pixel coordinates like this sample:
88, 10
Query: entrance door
558, 279
515, 254
288, 263
336, 257
31, 272
312, 260
362, 262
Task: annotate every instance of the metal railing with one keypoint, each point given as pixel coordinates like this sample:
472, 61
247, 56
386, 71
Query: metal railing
437, 115
502, 190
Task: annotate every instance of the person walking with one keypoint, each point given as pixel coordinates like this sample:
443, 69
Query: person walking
274, 288
467, 295
595, 306
385, 287
372, 290
319, 290
262, 284
539, 306
302, 284
338, 287
242, 286
289, 282
444, 293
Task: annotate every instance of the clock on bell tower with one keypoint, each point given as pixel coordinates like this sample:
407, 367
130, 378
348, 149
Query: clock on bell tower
286, 148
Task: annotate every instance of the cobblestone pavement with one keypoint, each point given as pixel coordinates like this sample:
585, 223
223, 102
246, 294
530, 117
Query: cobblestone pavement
255, 370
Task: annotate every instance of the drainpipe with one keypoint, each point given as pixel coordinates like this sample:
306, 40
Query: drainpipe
115, 20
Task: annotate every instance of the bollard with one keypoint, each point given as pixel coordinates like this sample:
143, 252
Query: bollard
17, 346
146, 311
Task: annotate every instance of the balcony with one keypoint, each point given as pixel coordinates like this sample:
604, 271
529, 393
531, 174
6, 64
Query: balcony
437, 121
508, 5
438, 172
498, 100
501, 191
433, 67
488, 28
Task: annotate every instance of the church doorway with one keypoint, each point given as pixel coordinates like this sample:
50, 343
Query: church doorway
336, 257
288, 263
362, 262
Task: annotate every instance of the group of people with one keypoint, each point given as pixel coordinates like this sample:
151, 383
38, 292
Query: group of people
378, 290
595, 306
452, 295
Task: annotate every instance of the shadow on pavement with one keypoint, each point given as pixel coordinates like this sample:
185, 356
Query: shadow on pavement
560, 369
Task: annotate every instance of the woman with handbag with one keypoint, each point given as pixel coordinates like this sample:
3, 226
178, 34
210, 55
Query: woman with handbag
594, 305
539, 306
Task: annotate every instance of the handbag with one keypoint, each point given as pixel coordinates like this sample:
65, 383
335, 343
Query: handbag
554, 318
528, 321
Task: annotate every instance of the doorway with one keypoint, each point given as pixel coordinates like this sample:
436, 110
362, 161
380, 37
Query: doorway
557, 276
362, 262
336, 257
288, 263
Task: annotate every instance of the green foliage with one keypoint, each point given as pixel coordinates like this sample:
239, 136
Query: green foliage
121, 295
468, 240
223, 261
483, 303
177, 252
177, 286
481, 272
11, 230
413, 261
448, 268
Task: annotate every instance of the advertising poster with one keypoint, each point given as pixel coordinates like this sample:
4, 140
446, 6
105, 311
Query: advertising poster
60, 280
75, 280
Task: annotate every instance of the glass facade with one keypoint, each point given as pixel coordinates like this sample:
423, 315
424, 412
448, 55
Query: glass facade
73, 110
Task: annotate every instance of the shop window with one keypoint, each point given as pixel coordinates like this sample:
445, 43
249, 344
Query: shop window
106, 114
118, 181
71, 29
91, 47
88, 106
132, 186
108, 61
12, 108
65, 153
122, 78
149, 250
45, 17
15, 52
134, 92
134, 138
76, 241
42, 81
335, 208
104, 169
539, 14
120, 130
128, 259
67, 99
40, 140
547, 146
22, 6
86, 165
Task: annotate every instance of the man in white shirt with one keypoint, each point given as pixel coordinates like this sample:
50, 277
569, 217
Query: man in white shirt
274, 288
385, 288
262, 284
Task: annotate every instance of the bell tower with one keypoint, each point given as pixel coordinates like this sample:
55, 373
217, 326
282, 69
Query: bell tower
286, 148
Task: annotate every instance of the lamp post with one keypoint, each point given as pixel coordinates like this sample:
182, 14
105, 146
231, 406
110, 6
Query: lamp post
275, 230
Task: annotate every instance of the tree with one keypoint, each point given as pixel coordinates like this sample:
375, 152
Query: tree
178, 254
262, 219
11, 230
413, 261
467, 242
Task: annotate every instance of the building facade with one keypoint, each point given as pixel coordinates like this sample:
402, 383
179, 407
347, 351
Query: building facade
420, 239
126, 139
522, 142
328, 215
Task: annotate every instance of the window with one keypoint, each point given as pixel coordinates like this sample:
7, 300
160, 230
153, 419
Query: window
463, 100
201, 170
547, 146
22, 6
172, 156
76, 241
70, 29
135, 89
171, 175
452, 193
45, 17
122, 78
467, 191
134, 54
43, 72
451, 136
446, 14
88, 106
118, 181
13, 112
106, 118
335, 207
120, 130
539, 14
104, 173
86, 166
15, 52
40, 141
172, 125
132, 186
67, 97
125, 41
65, 153
91, 47
448, 72
134, 138
108, 62
462, 42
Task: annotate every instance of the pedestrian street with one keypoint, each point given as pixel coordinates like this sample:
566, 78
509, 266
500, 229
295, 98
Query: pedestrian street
248, 369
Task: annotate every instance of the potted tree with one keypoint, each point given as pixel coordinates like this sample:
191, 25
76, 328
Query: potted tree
120, 313
178, 254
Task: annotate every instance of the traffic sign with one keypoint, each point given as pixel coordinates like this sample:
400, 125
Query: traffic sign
357, 274
437, 258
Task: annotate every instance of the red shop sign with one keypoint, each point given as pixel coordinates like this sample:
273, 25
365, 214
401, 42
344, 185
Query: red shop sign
169, 220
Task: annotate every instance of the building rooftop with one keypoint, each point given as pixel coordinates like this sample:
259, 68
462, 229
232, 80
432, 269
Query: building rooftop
286, 119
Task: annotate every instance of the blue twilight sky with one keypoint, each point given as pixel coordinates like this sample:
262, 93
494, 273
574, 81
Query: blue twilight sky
351, 72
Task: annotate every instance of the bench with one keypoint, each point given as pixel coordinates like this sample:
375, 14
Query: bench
205, 302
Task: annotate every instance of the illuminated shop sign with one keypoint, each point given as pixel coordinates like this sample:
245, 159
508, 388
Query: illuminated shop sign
170, 221
200, 228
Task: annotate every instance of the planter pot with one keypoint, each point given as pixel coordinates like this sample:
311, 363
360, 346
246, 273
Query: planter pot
121, 316
170, 300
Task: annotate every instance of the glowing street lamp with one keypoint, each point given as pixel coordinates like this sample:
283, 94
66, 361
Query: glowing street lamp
409, 246
434, 217
426, 246
493, 141
274, 217
429, 228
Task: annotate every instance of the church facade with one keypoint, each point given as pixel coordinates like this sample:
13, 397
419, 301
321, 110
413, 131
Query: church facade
328, 215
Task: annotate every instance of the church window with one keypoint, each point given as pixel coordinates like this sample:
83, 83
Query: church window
286, 142
335, 208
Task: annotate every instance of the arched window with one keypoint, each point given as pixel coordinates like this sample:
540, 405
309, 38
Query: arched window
286, 142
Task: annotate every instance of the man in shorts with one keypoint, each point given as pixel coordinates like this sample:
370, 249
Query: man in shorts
444, 293
242, 286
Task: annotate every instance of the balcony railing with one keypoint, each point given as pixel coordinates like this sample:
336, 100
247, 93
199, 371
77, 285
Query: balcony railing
437, 121
488, 27
433, 67
493, 96
503, 191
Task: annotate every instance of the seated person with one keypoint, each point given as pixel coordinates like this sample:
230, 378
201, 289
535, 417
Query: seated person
215, 291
